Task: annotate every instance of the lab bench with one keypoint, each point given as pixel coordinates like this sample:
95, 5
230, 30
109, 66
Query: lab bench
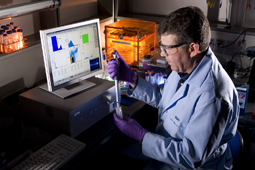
103, 140
95, 137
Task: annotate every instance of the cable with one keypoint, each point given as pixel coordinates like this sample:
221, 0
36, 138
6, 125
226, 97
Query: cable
237, 38
235, 54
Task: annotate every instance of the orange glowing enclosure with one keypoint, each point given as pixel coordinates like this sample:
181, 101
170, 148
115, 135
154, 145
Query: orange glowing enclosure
132, 39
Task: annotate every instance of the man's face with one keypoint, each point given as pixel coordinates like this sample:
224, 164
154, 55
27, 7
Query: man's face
178, 58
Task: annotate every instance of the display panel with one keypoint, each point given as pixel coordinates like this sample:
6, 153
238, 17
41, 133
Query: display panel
72, 53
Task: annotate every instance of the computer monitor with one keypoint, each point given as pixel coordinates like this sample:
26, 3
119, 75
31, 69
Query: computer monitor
72, 54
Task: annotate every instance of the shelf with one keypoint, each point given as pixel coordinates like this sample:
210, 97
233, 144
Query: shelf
159, 18
154, 18
235, 29
34, 39
102, 18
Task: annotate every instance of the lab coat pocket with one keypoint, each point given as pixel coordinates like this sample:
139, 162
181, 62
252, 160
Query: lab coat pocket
174, 125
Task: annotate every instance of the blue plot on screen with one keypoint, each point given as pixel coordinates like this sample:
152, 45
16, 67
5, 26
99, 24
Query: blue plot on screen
70, 44
55, 44
73, 54
94, 64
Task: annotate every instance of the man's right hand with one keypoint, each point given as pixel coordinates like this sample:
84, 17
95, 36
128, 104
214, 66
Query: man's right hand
121, 69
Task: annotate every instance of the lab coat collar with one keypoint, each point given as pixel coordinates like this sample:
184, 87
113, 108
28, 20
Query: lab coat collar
196, 79
200, 73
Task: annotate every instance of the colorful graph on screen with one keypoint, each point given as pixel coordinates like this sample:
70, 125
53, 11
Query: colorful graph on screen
73, 55
74, 52
70, 44
55, 44
85, 38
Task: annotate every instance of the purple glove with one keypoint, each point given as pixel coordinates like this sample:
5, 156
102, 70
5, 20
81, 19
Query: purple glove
122, 68
130, 127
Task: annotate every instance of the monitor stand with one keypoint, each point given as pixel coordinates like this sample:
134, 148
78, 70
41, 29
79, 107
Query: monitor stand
71, 89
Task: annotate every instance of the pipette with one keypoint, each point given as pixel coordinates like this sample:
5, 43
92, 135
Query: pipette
118, 108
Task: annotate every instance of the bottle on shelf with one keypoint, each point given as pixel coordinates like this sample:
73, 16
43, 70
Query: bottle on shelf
105, 74
15, 35
10, 40
20, 35
6, 29
6, 50
15, 39
1, 36
3, 27
1, 41
11, 25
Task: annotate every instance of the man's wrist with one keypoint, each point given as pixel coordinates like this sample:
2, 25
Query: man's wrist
135, 82
142, 138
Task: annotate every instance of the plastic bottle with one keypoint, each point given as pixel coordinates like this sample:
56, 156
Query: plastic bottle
20, 35
15, 35
156, 77
159, 78
9, 37
1, 40
105, 62
1, 36
6, 50
105, 74
147, 76
16, 28
164, 77
6, 29
3, 27
11, 25
15, 39
10, 40
152, 78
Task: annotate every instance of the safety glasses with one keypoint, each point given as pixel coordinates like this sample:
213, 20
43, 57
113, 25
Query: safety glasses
172, 48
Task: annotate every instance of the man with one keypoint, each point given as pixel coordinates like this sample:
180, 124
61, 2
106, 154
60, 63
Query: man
197, 108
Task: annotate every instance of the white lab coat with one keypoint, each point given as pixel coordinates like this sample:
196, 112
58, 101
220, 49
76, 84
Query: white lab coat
194, 123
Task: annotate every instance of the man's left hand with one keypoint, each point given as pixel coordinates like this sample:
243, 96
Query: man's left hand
130, 127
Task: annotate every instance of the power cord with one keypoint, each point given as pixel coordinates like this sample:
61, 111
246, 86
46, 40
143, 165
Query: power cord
237, 38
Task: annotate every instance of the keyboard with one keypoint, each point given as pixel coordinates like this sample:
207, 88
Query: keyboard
53, 155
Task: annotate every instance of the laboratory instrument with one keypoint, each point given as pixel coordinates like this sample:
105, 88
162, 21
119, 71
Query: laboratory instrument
117, 88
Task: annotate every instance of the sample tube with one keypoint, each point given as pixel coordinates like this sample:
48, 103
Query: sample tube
159, 78
11, 25
9, 37
1, 41
15, 35
1, 36
3, 27
147, 77
6, 29
15, 39
156, 77
20, 32
5, 43
164, 77
10, 40
21, 42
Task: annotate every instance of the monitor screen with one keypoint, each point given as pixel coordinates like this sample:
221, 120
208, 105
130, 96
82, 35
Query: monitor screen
72, 53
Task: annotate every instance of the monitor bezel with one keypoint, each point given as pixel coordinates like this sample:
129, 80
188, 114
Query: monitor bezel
46, 54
